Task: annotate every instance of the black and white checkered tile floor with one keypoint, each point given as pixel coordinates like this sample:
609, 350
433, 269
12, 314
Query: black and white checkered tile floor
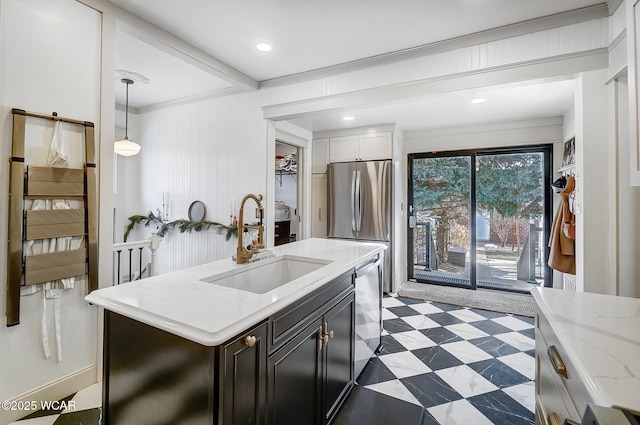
441, 365
82, 408
444, 364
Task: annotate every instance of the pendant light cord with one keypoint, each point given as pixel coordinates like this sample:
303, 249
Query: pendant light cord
126, 107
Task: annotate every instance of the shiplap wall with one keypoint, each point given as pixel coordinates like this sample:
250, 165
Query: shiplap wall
556, 42
213, 151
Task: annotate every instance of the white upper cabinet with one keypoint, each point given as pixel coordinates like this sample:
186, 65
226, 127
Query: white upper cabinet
364, 147
319, 155
343, 149
633, 54
375, 146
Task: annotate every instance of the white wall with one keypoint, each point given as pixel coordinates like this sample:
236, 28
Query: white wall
520, 133
399, 217
214, 151
592, 184
627, 225
50, 62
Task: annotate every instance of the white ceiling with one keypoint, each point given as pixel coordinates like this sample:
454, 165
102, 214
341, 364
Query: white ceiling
307, 36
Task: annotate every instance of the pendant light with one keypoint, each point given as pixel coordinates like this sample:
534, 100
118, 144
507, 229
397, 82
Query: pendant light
126, 147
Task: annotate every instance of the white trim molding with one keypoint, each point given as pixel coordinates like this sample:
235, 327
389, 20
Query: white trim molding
52, 391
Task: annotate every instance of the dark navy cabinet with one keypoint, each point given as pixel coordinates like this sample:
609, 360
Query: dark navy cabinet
296, 367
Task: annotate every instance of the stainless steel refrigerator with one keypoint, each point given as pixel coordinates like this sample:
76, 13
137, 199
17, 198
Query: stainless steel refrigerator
359, 204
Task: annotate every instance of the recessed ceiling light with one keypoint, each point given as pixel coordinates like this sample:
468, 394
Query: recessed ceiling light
263, 47
348, 118
479, 100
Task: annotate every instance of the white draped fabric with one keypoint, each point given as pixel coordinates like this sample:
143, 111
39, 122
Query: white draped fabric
52, 290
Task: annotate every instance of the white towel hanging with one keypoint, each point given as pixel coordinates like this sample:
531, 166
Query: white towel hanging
54, 289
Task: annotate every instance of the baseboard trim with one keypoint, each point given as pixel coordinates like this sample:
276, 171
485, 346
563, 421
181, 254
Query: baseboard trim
51, 391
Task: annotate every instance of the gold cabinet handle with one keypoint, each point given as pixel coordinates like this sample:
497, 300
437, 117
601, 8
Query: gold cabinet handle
250, 340
327, 334
320, 338
556, 361
554, 419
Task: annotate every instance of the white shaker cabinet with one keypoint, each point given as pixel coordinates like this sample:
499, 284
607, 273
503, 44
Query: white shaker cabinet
359, 147
633, 55
343, 149
320, 159
319, 155
319, 206
364, 147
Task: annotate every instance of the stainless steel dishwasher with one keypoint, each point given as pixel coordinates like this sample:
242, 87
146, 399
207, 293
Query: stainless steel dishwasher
368, 312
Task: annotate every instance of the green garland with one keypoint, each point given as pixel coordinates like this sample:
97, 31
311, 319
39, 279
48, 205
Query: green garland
182, 225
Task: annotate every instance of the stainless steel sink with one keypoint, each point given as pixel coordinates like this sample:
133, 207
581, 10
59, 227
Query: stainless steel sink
267, 275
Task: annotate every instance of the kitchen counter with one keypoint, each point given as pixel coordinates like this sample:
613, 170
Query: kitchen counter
600, 335
183, 304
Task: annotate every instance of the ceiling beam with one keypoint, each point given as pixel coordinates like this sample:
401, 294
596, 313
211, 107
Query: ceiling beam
173, 45
507, 31
565, 66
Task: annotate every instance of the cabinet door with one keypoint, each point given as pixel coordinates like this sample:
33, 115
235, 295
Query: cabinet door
320, 155
339, 335
343, 149
295, 386
282, 229
243, 378
319, 206
374, 146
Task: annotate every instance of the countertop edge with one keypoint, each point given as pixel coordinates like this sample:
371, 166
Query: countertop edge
207, 338
584, 372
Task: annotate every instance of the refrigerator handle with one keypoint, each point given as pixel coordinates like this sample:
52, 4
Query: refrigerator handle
358, 201
353, 200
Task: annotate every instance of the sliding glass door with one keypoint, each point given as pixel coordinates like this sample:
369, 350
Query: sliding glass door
440, 207
480, 218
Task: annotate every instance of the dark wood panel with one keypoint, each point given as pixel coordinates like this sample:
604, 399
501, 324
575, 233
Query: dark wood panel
154, 377
281, 230
16, 194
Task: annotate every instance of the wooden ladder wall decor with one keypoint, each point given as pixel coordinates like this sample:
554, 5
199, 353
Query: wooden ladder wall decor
30, 182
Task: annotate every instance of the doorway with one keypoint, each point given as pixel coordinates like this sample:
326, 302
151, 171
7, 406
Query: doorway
286, 193
480, 218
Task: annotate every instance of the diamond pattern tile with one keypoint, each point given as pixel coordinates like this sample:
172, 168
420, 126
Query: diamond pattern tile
479, 365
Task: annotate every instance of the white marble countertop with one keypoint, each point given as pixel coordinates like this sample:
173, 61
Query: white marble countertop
181, 303
601, 335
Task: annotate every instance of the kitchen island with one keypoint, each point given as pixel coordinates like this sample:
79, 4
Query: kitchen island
186, 346
587, 352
